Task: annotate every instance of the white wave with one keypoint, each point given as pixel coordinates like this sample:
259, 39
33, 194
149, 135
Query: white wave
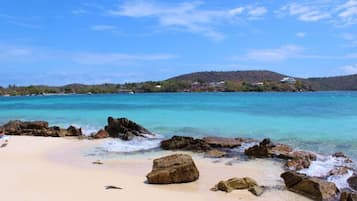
134, 145
323, 165
246, 145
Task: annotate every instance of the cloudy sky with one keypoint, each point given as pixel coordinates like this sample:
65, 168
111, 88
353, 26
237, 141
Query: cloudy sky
97, 41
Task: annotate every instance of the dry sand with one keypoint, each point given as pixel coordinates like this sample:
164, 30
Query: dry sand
44, 169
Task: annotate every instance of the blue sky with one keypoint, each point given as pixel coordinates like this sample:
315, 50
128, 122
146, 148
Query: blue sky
87, 41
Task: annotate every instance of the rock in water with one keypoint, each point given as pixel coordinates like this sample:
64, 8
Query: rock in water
125, 129
73, 131
221, 142
185, 143
101, 134
176, 168
313, 188
352, 181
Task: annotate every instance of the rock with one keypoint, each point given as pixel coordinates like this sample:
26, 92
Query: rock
73, 131
98, 162
352, 182
338, 171
297, 164
303, 155
221, 142
34, 128
339, 155
267, 149
101, 134
215, 154
348, 196
235, 184
113, 187
125, 129
256, 190
176, 168
185, 143
313, 188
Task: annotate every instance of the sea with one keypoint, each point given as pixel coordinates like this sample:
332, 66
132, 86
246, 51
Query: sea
322, 122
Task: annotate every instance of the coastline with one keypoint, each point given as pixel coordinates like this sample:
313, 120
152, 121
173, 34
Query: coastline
38, 168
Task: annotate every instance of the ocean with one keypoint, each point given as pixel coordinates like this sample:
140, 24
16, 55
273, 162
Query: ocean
323, 122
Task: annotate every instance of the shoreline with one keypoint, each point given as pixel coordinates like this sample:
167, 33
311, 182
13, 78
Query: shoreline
55, 168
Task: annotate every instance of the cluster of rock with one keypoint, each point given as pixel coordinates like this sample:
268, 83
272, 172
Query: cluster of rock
39, 128
122, 128
239, 184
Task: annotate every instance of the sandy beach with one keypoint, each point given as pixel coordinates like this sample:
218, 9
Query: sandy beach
37, 168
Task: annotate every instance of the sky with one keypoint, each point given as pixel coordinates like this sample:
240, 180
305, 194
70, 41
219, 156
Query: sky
117, 41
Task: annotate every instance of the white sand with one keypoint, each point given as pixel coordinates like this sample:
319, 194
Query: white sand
44, 169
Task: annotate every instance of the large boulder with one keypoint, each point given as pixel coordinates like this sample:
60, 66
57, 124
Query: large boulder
352, 182
73, 131
221, 142
298, 160
125, 129
348, 196
313, 188
176, 168
185, 144
38, 128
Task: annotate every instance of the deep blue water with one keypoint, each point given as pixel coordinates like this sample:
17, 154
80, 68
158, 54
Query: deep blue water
321, 121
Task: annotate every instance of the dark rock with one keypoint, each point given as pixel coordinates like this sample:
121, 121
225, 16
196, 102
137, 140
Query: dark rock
98, 162
352, 182
313, 188
113, 187
125, 129
297, 164
221, 142
101, 134
73, 131
303, 155
267, 149
177, 168
339, 155
348, 196
34, 128
185, 143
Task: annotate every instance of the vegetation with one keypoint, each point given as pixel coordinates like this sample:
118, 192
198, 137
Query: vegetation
230, 81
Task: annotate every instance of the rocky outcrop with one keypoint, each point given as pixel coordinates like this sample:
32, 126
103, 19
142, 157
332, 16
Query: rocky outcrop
38, 128
101, 134
239, 184
348, 196
313, 188
300, 160
352, 182
267, 149
221, 142
185, 144
125, 129
177, 168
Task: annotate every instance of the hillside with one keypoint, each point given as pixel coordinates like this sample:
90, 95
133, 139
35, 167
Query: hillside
348, 82
215, 76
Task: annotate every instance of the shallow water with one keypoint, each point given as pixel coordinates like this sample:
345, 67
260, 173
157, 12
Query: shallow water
324, 122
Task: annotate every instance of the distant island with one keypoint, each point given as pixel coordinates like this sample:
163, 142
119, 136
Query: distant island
213, 81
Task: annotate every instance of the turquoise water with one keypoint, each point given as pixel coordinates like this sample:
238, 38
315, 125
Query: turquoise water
321, 121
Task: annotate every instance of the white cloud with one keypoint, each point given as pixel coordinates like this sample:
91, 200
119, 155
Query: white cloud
304, 12
117, 58
300, 34
188, 15
349, 69
104, 27
273, 55
348, 12
257, 12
